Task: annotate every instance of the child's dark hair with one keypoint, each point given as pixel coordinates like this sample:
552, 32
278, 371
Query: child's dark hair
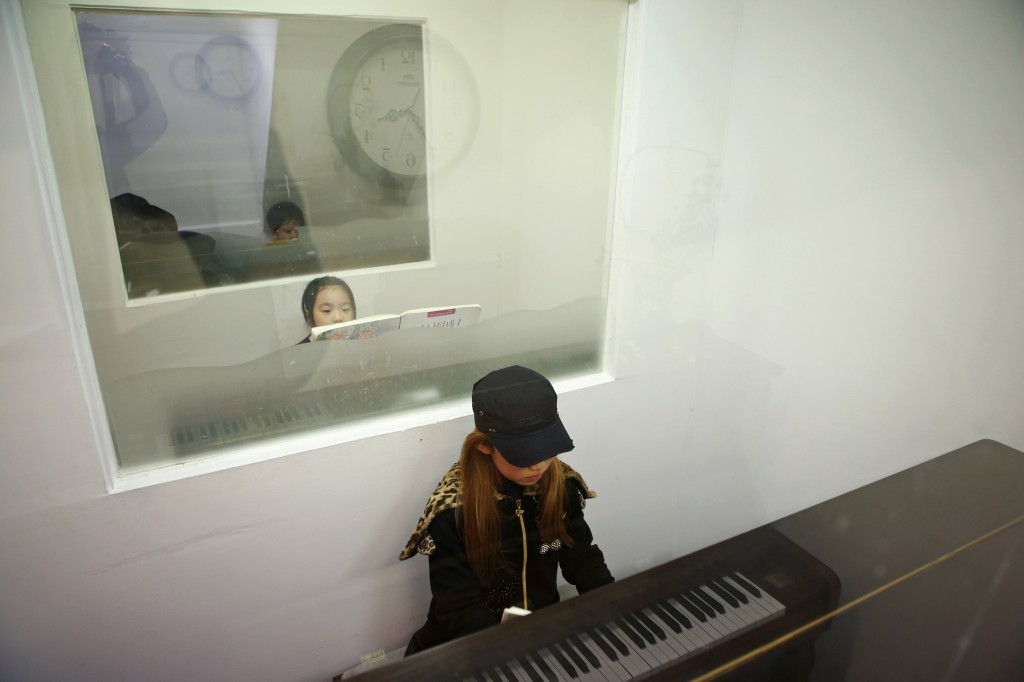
282, 212
315, 287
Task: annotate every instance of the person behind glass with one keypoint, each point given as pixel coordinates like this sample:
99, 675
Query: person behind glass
327, 300
508, 489
284, 220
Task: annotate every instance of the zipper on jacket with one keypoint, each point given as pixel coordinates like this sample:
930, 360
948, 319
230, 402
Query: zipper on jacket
522, 525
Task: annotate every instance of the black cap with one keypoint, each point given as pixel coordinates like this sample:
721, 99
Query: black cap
517, 409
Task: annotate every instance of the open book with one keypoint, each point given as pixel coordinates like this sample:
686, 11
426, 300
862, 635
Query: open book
448, 317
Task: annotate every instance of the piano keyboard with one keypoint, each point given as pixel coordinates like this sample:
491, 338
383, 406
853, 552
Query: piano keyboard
674, 621
642, 641
295, 416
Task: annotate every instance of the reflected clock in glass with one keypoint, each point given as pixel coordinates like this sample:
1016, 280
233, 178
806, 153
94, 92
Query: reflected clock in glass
378, 103
228, 68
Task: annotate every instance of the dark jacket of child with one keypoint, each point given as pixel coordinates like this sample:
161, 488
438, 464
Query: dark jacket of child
460, 604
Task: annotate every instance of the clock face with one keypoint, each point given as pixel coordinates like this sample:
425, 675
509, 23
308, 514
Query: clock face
380, 94
386, 107
228, 68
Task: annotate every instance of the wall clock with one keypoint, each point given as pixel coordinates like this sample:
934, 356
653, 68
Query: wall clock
228, 68
378, 101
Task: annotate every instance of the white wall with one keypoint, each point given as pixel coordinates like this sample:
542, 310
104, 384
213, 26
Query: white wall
816, 286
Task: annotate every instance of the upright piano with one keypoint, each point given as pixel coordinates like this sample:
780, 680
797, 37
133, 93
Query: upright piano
931, 562
674, 621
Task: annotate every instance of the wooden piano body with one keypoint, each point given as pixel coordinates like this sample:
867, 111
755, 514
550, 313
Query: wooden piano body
931, 563
569, 638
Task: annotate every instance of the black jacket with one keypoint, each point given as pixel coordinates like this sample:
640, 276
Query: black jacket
460, 604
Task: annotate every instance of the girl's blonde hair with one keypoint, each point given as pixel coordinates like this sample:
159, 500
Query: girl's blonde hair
481, 518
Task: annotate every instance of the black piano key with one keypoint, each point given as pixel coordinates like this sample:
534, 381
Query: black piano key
769, 601
677, 614
733, 591
661, 653
613, 671
606, 647
753, 603
650, 624
627, 630
688, 604
612, 639
711, 625
528, 668
745, 585
507, 673
544, 668
699, 602
639, 628
725, 595
582, 647
674, 644
576, 658
666, 617
699, 634
717, 605
563, 661
640, 655
525, 670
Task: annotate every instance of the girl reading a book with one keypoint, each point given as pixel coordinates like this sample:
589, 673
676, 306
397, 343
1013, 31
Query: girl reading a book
327, 300
506, 516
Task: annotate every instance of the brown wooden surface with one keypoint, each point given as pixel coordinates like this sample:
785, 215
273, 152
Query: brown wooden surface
940, 550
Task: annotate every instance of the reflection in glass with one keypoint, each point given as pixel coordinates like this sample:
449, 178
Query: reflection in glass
198, 117
428, 161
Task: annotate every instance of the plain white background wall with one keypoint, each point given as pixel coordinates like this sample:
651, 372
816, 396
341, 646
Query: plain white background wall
814, 285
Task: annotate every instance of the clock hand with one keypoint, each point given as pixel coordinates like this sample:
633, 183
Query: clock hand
415, 117
394, 114
234, 76
416, 97
419, 123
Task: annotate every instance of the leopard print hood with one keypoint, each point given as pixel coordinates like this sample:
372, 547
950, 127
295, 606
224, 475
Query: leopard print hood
446, 496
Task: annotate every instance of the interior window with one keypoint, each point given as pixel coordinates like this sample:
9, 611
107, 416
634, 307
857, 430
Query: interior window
231, 181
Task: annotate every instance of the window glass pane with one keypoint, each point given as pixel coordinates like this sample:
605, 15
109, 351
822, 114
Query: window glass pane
429, 154
204, 129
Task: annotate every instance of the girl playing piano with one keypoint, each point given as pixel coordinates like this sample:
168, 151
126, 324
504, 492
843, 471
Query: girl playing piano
507, 516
